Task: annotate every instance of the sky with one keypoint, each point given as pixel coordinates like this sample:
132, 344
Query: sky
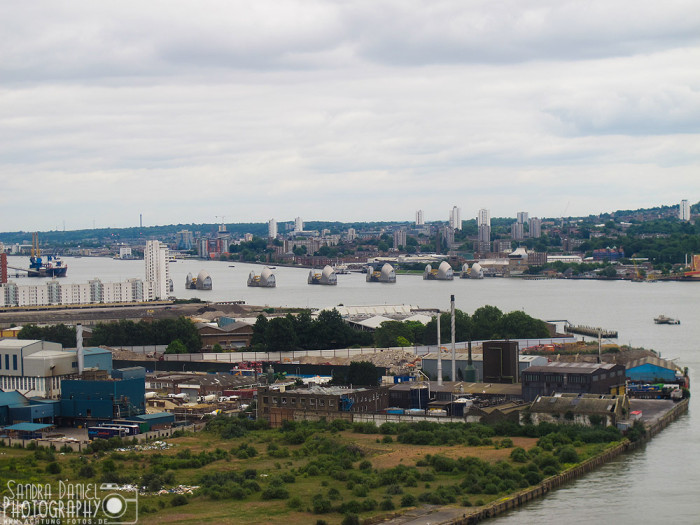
242, 111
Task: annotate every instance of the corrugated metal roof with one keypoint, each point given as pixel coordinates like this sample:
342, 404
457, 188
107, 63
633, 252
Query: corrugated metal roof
587, 405
28, 427
657, 361
573, 368
12, 398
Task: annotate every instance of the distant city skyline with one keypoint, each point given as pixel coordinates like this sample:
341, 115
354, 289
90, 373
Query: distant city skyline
349, 111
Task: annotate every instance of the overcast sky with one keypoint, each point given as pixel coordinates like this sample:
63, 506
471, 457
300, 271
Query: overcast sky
343, 110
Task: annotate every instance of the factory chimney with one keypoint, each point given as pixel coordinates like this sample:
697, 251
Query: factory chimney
439, 353
454, 352
79, 344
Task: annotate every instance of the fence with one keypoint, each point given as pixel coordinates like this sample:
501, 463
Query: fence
79, 446
237, 357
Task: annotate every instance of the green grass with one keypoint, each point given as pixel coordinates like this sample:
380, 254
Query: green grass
328, 462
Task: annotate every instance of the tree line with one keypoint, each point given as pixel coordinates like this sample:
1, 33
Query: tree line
122, 333
329, 331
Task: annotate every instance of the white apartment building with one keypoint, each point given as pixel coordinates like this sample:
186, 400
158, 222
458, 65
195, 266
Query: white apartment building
157, 271
483, 221
535, 227
56, 293
419, 218
298, 225
684, 210
455, 218
272, 229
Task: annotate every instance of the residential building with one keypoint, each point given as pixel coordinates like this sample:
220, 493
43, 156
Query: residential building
419, 218
352, 234
400, 239
455, 218
184, 240
517, 231
272, 229
157, 271
535, 228
684, 210
522, 217
298, 225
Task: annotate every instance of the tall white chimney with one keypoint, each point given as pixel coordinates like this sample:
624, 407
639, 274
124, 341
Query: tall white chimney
439, 352
454, 352
79, 344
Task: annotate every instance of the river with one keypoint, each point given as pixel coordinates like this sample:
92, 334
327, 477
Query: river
657, 484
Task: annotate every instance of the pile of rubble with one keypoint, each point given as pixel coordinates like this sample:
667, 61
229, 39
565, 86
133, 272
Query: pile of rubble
396, 360
153, 445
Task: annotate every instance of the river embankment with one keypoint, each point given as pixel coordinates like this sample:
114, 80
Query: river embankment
521, 498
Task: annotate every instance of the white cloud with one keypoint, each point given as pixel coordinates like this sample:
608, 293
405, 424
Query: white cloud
344, 110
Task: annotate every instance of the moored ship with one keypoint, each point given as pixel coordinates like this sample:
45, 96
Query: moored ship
52, 266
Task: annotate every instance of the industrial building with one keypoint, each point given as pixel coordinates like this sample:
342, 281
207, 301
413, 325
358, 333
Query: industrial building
579, 409
653, 370
86, 401
232, 335
429, 363
195, 385
279, 404
73, 386
577, 378
425, 394
38, 368
266, 279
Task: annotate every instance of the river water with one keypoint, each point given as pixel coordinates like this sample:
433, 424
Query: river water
657, 484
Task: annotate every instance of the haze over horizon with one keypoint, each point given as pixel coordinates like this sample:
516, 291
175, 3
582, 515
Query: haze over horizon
344, 110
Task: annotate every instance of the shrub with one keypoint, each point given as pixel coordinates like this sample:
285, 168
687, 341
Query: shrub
275, 491
360, 491
519, 455
179, 500
350, 519
408, 500
387, 504
321, 505
295, 503
53, 468
567, 454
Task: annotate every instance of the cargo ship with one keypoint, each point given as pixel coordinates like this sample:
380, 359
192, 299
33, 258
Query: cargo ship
53, 266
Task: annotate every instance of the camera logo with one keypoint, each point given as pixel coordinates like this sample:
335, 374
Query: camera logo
118, 509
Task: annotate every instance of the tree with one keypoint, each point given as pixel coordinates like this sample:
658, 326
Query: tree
176, 347
280, 334
362, 373
58, 333
259, 329
485, 320
518, 325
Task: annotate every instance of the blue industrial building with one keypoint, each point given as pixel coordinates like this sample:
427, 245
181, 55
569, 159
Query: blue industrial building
653, 370
99, 358
14, 408
87, 401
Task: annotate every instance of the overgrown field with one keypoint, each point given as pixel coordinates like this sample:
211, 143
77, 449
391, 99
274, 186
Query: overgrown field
333, 472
